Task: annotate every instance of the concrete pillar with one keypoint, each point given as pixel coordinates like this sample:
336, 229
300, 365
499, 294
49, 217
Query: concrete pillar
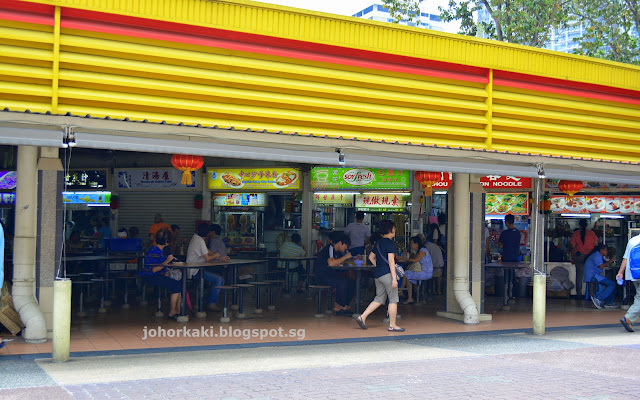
49, 239
62, 322
24, 270
537, 260
417, 209
207, 201
461, 244
307, 212
476, 267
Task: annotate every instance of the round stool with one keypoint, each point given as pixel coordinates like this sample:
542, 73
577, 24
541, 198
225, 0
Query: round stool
225, 319
160, 292
258, 309
307, 279
102, 282
82, 285
240, 287
272, 283
126, 280
320, 289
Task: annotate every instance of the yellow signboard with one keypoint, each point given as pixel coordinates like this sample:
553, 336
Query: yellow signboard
253, 178
333, 198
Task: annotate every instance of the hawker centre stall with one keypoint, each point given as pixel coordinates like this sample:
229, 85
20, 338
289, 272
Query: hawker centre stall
251, 81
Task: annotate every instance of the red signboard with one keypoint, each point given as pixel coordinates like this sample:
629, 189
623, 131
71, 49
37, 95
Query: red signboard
488, 182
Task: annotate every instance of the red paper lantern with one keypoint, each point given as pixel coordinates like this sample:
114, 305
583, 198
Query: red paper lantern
427, 179
186, 164
570, 187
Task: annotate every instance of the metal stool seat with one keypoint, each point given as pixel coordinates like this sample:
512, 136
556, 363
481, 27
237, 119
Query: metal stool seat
126, 280
82, 285
258, 285
102, 309
272, 283
307, 279
225, 319
320, 289
240, 287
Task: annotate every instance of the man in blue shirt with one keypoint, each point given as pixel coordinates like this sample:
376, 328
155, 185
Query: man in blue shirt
510, 240
332, 256
593, 266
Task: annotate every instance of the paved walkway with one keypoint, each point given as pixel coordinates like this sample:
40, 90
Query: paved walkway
574, 364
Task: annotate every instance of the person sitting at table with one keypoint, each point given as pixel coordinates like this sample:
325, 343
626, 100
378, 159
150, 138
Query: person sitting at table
385, 274
331, 256
74, 244
158, 223
155, 270
593, 266
293, 248
104, 233
420, 267
199, 252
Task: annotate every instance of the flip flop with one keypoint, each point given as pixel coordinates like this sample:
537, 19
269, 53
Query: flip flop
395, 329
408, 302
362, 325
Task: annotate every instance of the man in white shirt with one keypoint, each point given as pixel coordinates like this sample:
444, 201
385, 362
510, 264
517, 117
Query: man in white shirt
198, 252
357, 232
631, 261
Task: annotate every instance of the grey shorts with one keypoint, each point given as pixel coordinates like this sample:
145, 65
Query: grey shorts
383, 290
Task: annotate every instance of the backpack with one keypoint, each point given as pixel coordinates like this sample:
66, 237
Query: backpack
634, 262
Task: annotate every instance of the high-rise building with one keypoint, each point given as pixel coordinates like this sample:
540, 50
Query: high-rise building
377, 12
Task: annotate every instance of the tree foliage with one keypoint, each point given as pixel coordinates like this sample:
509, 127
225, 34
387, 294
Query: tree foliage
407, 10
610, 29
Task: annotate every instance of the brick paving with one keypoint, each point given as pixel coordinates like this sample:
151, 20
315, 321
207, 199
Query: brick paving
555, 366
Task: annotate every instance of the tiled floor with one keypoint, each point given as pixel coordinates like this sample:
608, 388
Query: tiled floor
121, 329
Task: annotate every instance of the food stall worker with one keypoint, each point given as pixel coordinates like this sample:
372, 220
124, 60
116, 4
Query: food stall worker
510, 240
357, 234
593, 267
582, 242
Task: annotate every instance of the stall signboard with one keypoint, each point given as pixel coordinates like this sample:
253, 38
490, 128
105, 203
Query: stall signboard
381, 202
595, 204
154, 179
254, 178
8, 180
359, 179
344, 199
86, 180
507, 203
240, 199
7, 199
102, 198
489, 182
591, 186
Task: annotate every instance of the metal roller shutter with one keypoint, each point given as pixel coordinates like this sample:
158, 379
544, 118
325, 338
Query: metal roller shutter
138, 209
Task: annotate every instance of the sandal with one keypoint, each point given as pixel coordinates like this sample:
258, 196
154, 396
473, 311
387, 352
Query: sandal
395, 329
174, 317
409, 301
361, 323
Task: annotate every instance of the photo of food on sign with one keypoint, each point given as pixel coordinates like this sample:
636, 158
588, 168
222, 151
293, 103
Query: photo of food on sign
232, 180
504, 203
269, 178
285, 179
595, 204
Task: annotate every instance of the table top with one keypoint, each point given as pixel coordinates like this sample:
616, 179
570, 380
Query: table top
184, 265
349, 267
290, 258
103, 257
506, 264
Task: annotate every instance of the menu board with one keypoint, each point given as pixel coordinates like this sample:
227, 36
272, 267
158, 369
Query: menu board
86, 197
507, 203
252, 178
381, 202
359, 178
553, 184
595, 204
8, 180
240, 199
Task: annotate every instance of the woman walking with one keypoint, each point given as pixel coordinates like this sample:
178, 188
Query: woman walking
383, 257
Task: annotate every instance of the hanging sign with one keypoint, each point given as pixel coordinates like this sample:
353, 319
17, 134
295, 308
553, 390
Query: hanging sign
381, 202
500, 182
86, 197
154, 179
8, 180
253, 178
507, 203
240, 199
595, 204
7, 199
591, 186
359, 179
86, 180
345, 199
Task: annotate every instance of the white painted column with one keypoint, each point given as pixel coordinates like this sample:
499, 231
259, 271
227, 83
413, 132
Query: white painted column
24, 265
307, 212
537, 260
461, 242
62, 321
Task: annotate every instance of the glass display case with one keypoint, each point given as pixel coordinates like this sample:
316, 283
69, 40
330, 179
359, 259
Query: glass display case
241, 230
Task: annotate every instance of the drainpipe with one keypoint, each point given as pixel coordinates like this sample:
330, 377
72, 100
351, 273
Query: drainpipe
461, 236
24, 257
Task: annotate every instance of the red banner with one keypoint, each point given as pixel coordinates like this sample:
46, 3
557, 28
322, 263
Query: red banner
488, 182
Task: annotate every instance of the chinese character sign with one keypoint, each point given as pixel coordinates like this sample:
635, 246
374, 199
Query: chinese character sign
252, 178
154, 178
381, 201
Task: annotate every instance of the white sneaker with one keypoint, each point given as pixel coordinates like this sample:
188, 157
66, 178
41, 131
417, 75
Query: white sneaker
611, 306
596, 302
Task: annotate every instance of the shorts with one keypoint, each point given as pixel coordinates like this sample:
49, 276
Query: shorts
415, 267
384, 290
437, 273
355, 251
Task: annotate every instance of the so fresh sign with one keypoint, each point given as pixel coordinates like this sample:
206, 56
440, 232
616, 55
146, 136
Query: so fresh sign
359, 178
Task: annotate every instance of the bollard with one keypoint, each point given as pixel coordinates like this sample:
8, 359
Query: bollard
61, 319
539, 303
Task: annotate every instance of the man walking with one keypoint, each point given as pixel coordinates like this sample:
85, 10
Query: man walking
631, 268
